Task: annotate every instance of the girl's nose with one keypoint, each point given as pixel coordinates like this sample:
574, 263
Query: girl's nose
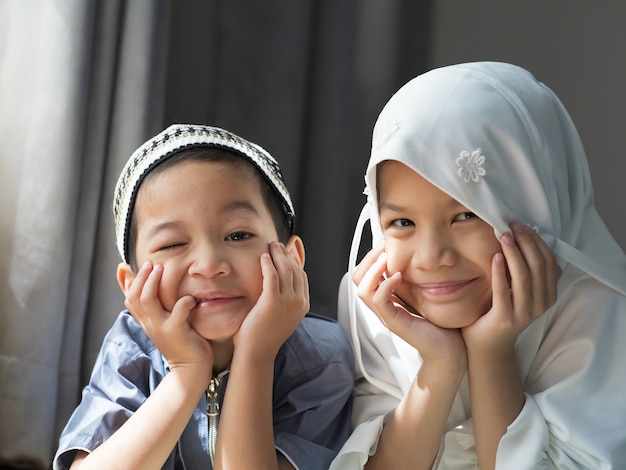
432, 250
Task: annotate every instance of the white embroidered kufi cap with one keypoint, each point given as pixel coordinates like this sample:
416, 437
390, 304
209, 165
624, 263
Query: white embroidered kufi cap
171, 141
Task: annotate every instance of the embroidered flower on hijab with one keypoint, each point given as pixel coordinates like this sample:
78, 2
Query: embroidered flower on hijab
471, 165
384, 131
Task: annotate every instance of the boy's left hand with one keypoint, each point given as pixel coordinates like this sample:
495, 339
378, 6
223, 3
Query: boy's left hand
533, 272
282, 305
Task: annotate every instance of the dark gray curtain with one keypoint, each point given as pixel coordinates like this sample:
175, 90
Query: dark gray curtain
306, 81
84, 82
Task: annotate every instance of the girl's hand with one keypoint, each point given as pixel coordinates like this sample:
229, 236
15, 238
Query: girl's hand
533, 272
282, 305
435, 344
171, 332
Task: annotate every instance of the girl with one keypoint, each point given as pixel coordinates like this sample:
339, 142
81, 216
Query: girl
491, 314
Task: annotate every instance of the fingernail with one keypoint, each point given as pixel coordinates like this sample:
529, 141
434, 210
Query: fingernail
517, 227
507, 238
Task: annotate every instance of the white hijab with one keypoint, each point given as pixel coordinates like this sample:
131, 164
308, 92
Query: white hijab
501, 143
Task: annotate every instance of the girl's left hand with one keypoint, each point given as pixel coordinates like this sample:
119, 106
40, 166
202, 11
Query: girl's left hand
533, 273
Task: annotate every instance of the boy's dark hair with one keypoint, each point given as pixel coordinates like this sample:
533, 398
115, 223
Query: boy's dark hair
273, 202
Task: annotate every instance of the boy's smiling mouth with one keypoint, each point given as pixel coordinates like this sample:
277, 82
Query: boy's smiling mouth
214, 299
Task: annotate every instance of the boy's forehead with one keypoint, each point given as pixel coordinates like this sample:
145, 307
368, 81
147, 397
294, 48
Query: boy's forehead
219, 188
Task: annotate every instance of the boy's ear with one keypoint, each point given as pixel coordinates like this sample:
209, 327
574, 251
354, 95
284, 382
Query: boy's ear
125, 276
295, 246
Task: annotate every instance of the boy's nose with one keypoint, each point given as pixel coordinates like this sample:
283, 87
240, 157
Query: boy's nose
209, 261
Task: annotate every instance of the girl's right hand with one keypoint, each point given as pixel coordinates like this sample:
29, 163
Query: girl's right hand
171, 332
434, 344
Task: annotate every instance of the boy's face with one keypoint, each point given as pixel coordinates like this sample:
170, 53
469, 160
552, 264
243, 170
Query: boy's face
207, 224
442, 250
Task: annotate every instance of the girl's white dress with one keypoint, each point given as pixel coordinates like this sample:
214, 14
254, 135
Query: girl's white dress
501, 143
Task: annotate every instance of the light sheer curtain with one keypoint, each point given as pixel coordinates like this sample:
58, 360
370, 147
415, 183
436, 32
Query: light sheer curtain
77, 81
84, 82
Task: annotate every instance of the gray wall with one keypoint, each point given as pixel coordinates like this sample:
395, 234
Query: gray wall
577, 48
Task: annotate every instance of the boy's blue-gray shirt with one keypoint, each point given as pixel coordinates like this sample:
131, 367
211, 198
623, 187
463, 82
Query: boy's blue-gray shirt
313, 382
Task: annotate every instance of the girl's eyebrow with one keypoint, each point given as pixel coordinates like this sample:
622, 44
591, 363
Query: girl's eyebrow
391, 207
448, 204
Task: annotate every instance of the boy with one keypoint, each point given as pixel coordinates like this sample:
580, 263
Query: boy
217, 330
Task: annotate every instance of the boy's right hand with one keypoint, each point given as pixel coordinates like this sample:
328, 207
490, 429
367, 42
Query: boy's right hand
171, 332
434, 344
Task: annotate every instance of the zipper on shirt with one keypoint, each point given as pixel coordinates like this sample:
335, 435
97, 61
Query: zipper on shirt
213, 410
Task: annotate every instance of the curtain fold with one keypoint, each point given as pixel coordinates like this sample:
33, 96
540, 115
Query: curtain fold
85, 82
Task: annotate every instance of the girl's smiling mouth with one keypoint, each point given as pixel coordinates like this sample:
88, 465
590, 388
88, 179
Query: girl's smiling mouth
436, 289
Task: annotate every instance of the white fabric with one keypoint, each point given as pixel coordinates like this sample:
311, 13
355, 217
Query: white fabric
535, 171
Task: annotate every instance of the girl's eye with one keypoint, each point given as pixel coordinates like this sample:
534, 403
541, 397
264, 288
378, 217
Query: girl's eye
465, 216
401, 223
238, 236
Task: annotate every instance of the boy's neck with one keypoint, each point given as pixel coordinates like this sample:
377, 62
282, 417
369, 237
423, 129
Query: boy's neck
222, 355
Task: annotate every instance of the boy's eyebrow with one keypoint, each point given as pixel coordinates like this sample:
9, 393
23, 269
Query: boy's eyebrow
162, 226
239, 204
230, 207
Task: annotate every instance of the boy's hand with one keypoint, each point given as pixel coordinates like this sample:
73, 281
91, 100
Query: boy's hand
435, 344
171, 332
533, 273
281, 307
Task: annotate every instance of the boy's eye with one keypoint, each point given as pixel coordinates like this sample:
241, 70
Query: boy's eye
465, 216
170, 246
238, 236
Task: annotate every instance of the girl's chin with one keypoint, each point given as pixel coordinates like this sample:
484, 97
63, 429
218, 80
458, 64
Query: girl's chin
450, 322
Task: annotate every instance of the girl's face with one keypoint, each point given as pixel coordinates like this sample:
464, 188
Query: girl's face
207, 224
442, 250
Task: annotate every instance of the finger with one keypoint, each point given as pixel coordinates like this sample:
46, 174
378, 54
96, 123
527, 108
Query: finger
520, 277
367, 261
553, 270
501, 292
392, 315
149, 294
537, 260
269, 273
371, 279
284, 271
182, 309
134, 291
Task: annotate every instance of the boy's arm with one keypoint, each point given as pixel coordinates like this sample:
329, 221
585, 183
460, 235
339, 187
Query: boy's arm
148, 437
246, 433
146, 440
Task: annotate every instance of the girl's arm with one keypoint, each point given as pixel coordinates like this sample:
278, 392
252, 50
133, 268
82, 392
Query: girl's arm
496, 391
412, 432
